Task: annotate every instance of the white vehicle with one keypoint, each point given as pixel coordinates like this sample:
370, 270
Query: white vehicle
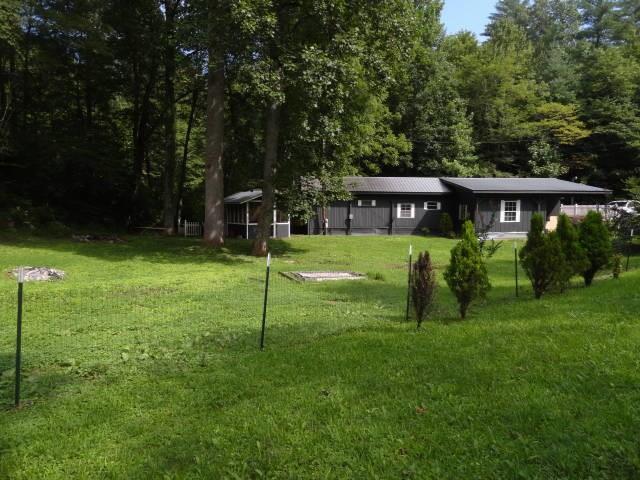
627, 206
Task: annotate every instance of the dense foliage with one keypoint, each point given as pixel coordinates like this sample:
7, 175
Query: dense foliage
466, 274
574, 255
595, 239
543, 259
103, 102
423, 286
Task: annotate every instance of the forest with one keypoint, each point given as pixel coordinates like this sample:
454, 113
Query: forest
141, 112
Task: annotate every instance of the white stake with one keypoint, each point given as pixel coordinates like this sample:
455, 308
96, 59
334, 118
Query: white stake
410, 249
21, 275
268, 259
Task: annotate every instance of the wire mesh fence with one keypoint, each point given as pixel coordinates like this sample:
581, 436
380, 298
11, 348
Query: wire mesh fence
113, 317
109, 321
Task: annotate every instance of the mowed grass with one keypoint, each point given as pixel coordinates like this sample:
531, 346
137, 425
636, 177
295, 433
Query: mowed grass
143, 363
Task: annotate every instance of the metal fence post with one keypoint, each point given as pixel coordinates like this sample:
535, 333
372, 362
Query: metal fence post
264, 307
629, 249
406, 315
19, 338
515, 256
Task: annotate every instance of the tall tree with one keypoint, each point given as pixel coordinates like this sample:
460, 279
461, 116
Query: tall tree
214, 179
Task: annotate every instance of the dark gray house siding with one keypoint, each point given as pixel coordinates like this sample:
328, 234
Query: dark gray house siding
382, 219
476, 199
490, 206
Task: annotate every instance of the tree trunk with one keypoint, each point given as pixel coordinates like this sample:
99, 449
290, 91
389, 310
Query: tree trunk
213, 182
141, 114
169, 173
185, 150
265, 215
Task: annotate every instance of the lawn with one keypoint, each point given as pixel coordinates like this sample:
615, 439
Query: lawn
143, 363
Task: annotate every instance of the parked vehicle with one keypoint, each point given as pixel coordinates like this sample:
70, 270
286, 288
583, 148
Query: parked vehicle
627, 206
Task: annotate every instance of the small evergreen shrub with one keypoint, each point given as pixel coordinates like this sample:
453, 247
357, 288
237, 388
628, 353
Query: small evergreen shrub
596, 242
423, 286
573, 252
466, 274
616, 265
446, 225
542, 258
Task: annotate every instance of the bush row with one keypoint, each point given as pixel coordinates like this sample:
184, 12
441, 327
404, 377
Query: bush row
550, 259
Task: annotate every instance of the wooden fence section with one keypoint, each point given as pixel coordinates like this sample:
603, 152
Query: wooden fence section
192, 229
580, 211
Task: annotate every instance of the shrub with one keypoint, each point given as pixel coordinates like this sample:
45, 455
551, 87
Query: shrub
423, 286
616, 265
596, 242
542, 258
466, 274
573, 252
446, 225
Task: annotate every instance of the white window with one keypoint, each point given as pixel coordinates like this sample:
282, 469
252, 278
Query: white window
406, 210
366, 203
432, 205
509, 211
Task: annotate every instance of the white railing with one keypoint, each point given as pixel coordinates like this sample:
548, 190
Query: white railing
579, 211
192, 229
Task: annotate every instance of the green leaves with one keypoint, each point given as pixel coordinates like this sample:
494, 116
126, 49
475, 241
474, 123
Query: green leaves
595, 239
466, 275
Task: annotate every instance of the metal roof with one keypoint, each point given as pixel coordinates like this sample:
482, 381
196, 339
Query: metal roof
421, 185
243, 197
523, 185
435, 185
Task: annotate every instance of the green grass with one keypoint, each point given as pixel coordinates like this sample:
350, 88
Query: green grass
143, 363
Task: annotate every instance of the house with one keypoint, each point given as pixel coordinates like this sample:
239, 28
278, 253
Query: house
241, 216
410, 205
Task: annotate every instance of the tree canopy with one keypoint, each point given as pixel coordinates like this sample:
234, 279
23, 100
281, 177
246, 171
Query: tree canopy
104, 103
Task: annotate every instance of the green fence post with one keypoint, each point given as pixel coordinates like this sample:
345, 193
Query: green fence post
406, 316
19, 338
515, 256
264, 307
629, 248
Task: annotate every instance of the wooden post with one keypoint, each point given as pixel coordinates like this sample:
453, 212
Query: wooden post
275, 223
246, 222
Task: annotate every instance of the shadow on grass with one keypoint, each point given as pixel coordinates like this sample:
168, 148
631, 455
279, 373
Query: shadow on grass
154, 249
